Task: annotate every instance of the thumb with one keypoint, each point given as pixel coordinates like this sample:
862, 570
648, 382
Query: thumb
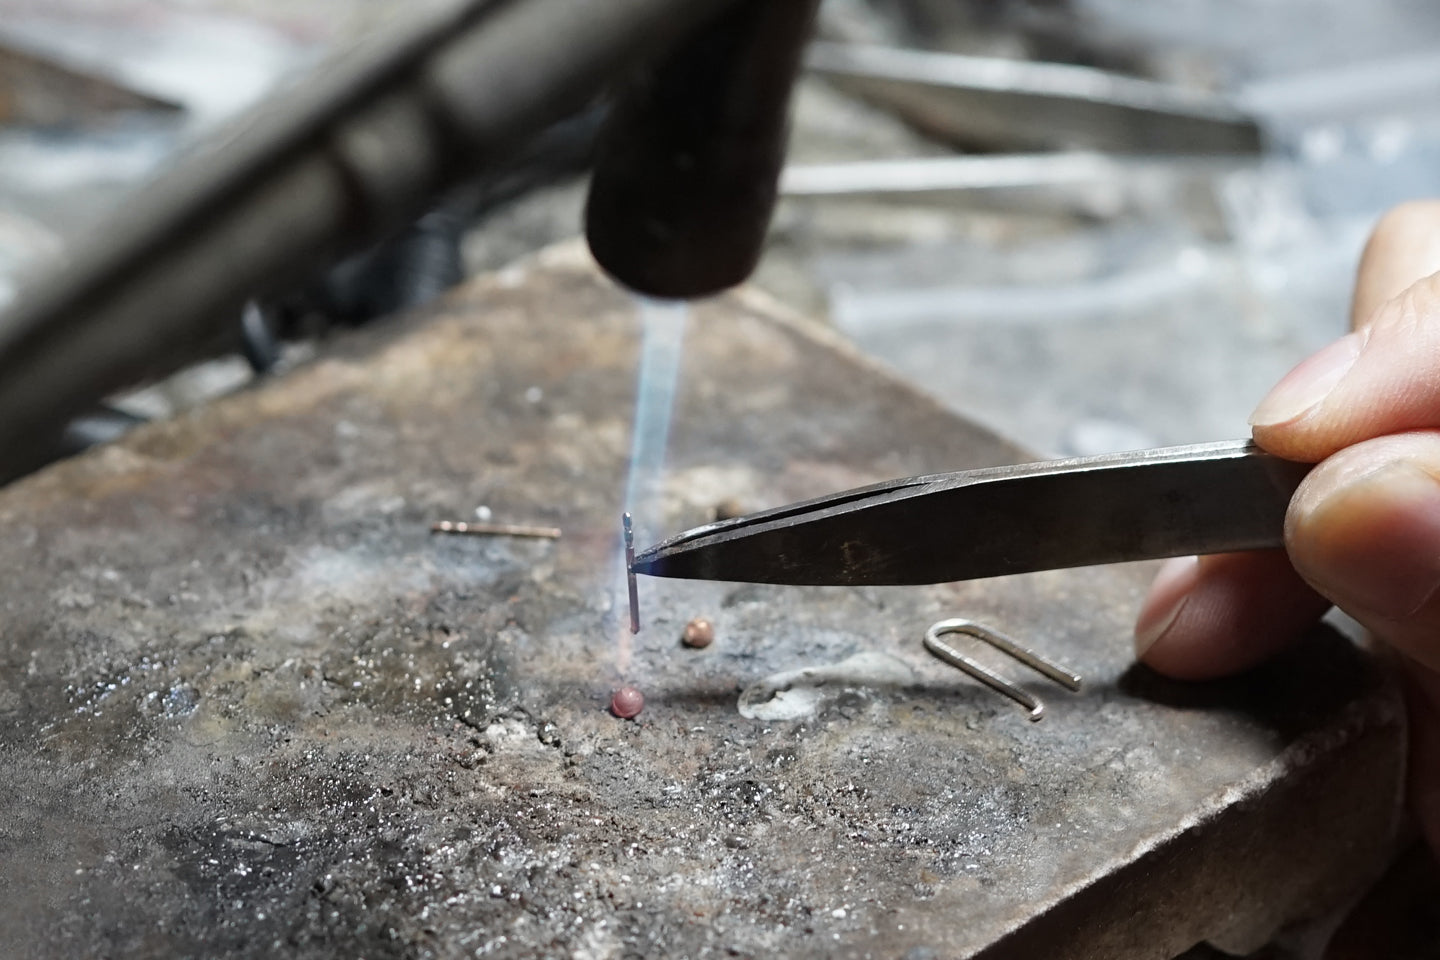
1364, 530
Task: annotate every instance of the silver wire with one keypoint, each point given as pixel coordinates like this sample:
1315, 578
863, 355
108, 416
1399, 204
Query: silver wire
944, 651
495, 529
627, 525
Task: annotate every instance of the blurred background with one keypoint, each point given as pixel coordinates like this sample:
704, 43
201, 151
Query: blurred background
1136, 277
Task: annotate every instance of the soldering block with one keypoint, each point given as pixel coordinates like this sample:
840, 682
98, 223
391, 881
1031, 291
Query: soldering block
249, 703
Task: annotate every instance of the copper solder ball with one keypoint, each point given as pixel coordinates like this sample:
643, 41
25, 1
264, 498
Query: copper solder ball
627, 702
699, 633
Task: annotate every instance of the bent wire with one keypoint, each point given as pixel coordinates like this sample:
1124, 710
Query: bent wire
944, 651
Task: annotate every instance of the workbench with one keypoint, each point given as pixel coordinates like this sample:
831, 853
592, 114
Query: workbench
250, 706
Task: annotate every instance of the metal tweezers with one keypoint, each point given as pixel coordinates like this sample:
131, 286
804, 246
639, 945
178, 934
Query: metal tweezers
1207, 498
1174, 501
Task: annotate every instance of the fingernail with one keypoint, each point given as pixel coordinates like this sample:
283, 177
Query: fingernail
1309, 383
1373, 545
1166, 599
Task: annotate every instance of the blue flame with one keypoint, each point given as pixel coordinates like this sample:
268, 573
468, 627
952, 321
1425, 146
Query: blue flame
662, 326
663, 331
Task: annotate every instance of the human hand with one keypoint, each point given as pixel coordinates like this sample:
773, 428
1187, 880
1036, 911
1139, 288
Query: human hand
1363, 530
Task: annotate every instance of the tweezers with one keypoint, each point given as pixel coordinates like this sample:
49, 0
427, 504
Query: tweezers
1173, 501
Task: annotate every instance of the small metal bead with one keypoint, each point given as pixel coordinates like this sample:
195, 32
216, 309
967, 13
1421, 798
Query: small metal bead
699, 633
627, 702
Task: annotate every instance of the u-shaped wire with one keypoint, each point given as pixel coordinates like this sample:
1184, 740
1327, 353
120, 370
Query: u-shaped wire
942, 650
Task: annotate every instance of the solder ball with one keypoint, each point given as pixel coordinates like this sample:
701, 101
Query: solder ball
627, 702
699, 633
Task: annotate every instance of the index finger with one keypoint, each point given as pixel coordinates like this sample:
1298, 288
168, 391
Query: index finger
1404, 247
1379, 380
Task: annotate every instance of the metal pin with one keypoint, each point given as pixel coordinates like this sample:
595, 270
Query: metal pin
1005, 645
630, 573
495, 529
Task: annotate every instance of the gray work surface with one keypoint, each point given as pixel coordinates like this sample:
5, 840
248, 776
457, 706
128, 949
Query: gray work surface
251, 707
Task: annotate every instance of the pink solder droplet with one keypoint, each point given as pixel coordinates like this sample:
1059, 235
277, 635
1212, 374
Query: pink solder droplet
627, 702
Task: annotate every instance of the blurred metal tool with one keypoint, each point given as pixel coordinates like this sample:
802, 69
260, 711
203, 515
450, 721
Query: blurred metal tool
929, 178
1070, 181
351, 156
685, 172
998, 104
37, 90
944, 651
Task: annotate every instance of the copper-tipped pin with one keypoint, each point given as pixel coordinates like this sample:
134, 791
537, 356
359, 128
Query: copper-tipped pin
495, 529
630, 573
